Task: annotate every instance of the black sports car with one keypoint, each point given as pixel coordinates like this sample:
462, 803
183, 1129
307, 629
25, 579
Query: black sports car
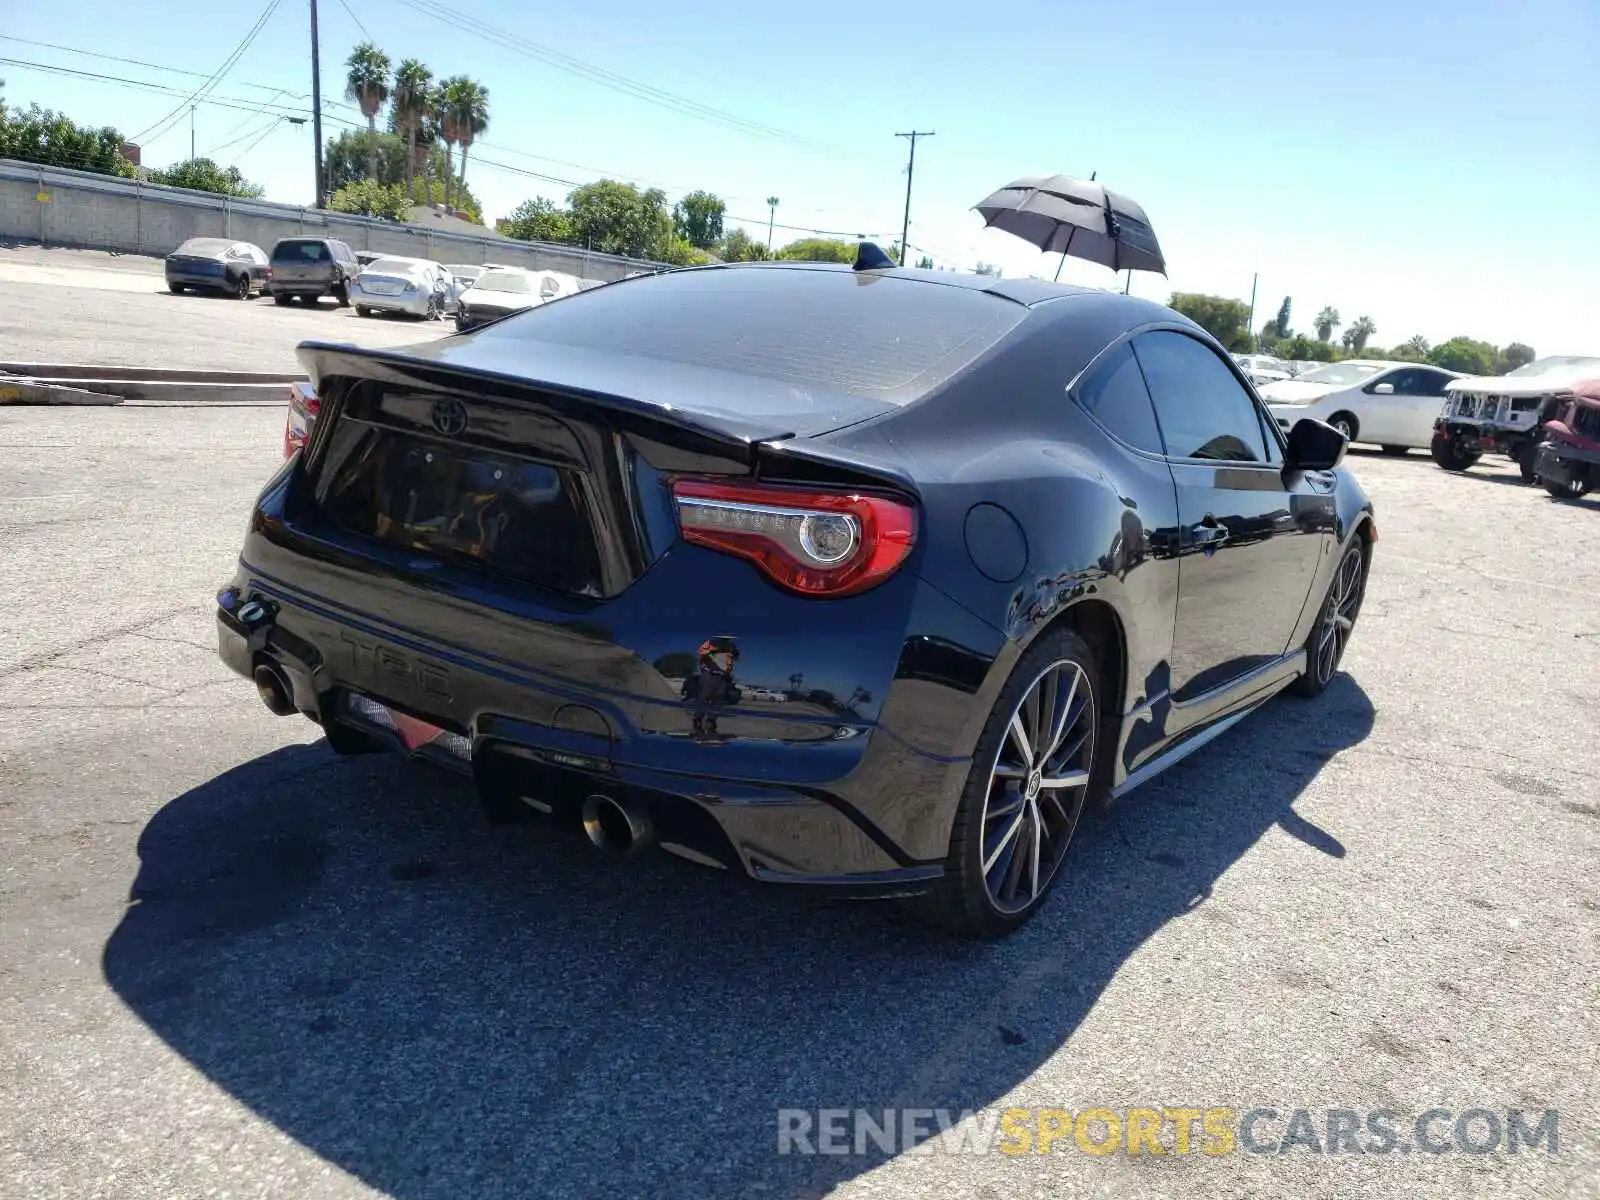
866, 579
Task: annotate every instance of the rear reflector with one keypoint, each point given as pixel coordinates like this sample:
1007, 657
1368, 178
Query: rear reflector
816, 543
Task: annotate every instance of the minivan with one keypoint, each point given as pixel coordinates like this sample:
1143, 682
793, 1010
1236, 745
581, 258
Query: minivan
310, 268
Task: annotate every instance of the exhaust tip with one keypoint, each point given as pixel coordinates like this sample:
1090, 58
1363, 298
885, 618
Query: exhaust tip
274, 691
614, 825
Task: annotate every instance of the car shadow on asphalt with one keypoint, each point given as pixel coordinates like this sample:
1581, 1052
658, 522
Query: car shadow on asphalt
442, 1007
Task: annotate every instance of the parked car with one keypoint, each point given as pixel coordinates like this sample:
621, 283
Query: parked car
307, 269
1262, 369
218, 264
1567, 463
500, 293
418, 287
1505, 414
1005, 559
465, 273
365, 258
1388, 403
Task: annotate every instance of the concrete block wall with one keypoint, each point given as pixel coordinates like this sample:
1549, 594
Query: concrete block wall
102, 212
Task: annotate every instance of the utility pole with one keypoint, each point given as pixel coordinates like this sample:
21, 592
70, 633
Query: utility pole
772, 215
316, 100
911, 167
191, 132
1251, 327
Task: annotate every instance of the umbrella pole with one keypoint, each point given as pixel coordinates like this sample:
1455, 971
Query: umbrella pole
1064, 251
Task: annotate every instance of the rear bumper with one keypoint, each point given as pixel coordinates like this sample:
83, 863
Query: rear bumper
1565, 462
300, 288
839, 804
415, 306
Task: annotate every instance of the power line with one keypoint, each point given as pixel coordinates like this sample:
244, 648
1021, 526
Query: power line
357, 20
613, 80
139, 62
238, 103
161, 126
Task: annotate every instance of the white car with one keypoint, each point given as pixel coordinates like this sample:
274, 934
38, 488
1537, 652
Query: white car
1262, 368
416, 286
1392, 404
465, 273
506, 290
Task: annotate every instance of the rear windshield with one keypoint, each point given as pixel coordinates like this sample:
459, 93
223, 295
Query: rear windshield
204, 246
873, 336
503, 281
299, 251
391, 266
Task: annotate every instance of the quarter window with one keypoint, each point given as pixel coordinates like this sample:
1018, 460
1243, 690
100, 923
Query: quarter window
1114, 395
1204, 411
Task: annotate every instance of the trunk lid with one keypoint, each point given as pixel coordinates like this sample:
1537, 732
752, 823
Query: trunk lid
449, 455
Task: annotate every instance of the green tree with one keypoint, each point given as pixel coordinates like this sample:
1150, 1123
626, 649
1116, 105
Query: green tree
1358, 334
203, 175
1513, 356
366, 82
1414, 349
537, 220
412, 84
1280, 325
362, 154
1300, 348
925, 263
697, 218
1224, 319
617, 218
984, 268
463, 109
41, 135
1466, 355
820, 250
679, 252
1327, 321
372, 199
739, 246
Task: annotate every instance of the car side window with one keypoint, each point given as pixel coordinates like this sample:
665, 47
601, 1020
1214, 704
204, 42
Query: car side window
1431, 383
1204, 411
1113, 393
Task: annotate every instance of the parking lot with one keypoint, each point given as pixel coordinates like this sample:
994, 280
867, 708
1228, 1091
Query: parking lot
231, 964
84, 306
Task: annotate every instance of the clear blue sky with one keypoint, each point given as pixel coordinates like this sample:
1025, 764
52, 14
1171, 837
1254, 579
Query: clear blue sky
1433, 164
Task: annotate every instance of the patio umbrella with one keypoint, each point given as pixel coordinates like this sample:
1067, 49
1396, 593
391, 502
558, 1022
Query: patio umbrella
1063, 215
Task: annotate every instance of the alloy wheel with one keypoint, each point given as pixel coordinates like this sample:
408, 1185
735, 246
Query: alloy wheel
1339, 618
1343, 427
1037, 786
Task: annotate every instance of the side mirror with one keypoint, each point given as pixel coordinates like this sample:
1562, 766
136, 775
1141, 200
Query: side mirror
1383, 389
1314, 446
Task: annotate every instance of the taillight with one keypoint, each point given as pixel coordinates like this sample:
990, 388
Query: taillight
303, 409
815, 543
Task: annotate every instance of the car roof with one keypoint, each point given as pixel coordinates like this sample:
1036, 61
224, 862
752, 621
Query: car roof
1027, 292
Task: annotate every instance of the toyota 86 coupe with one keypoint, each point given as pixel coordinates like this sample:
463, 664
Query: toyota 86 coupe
862, 578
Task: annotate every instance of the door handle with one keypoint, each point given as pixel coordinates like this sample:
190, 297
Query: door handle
1209, 532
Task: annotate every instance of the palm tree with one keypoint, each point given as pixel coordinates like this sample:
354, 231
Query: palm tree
772, 215
367, 83
466, 115
442, 131
1327, 321
412, 83
1360, 332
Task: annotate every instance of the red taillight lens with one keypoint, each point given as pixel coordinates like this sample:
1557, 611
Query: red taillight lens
303, 408
815, 543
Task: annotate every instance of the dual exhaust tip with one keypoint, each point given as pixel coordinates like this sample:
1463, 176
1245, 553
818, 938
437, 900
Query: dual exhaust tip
616, 826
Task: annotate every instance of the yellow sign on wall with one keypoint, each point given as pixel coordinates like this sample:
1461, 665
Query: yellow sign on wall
43, 197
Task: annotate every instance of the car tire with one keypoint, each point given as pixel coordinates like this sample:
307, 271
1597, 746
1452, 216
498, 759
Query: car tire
1525, 457
177, 289
341, 293
986, 890
1396, 451
1336, 621
239, 288
1449, 455
1346, 424
363, 311
281, 300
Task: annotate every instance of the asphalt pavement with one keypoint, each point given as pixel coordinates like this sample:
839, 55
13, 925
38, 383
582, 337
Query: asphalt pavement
233, 965
85, 306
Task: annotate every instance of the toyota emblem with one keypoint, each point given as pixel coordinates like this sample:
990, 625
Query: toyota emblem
449, 417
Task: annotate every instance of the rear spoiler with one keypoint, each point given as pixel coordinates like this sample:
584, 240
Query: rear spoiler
681, 434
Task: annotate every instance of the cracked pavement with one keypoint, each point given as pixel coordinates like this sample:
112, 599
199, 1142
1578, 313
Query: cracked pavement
231, 965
